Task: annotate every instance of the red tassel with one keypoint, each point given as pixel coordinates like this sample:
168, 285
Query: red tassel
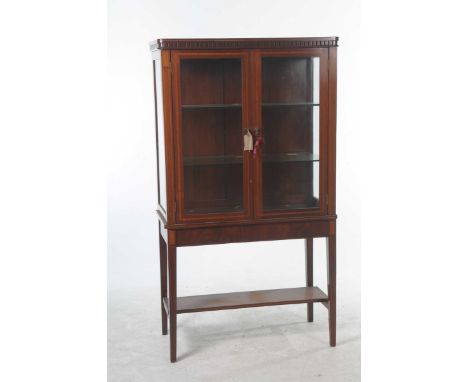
258, 143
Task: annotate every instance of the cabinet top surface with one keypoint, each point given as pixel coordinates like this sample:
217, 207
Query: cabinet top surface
243, 43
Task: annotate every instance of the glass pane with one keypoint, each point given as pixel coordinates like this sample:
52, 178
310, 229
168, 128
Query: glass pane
290, 118
315, 130
211, 94
316, 78
162, 197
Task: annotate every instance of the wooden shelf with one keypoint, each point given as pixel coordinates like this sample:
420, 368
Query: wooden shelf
203, 303
212, 106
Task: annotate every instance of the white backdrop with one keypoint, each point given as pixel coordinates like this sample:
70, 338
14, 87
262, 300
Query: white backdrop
53, 208
132, 223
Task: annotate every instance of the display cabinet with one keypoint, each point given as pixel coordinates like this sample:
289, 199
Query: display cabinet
245, 135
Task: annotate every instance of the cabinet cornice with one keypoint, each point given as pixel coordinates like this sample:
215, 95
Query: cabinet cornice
245, 43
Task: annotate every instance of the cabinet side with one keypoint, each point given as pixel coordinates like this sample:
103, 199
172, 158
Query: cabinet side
332, 66
160, 136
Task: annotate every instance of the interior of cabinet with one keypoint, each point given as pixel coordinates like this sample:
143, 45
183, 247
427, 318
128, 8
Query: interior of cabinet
290, 121
211, 103
211, 114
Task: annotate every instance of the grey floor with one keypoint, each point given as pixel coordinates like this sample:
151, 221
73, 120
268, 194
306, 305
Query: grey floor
257, 344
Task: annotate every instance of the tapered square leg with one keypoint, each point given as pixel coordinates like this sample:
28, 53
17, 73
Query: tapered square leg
172, 255
331, 266
163, 278
309, 266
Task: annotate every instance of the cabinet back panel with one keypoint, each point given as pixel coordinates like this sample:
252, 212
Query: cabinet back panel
210, 81
287, 129
286, 79
288, 185
221, 188
212, 132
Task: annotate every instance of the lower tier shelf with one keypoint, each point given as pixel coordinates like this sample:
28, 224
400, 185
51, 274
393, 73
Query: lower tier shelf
236, 300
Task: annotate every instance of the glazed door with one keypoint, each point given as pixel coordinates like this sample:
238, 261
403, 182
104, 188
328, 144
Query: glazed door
291, 119
211, 112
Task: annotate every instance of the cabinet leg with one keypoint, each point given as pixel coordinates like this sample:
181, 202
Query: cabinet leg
163, 273
172, 254
331, 265
309, 265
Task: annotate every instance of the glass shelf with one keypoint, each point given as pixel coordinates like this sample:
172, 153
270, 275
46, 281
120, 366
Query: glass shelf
211, 106
290, 157
237, 159
204, 210
314, 202
277, 104
212, 160
238, 105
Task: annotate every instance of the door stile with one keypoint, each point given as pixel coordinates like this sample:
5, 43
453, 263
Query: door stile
257, 123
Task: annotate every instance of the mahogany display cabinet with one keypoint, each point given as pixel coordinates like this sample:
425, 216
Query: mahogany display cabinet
246, 137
